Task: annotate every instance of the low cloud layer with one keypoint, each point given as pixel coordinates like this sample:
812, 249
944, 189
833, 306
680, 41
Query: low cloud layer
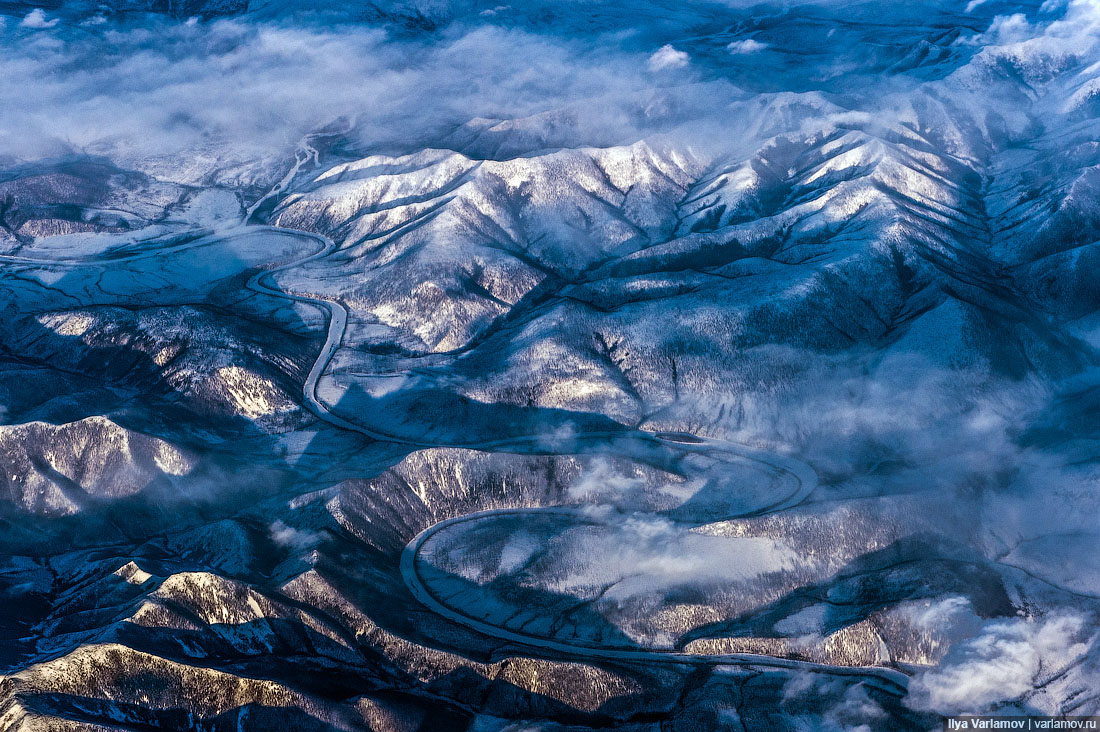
1002, 664
294, 539
237, 92
233, 92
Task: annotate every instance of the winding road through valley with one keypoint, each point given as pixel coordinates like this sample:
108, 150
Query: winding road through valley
410, 574
803, 478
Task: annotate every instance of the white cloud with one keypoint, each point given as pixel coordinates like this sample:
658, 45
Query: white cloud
667, 57
645, 554
838, 706
746, 46
1008, 29
949, 613
171, 97
603, 481
999, 665
1045, 46
299, 540
37, 19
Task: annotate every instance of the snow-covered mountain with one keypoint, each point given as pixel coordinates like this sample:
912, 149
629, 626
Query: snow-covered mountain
455, 365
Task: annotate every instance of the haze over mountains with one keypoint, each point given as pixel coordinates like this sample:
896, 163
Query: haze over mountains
551, 366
